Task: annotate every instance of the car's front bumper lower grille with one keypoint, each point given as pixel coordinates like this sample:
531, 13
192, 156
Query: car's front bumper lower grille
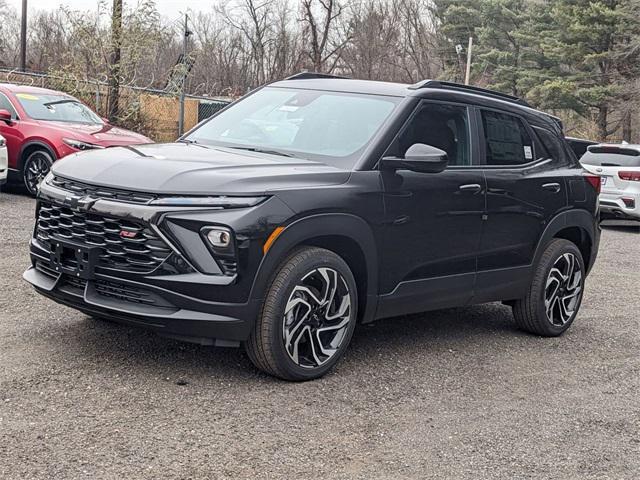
110, 289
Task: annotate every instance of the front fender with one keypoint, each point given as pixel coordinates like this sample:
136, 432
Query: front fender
315, 226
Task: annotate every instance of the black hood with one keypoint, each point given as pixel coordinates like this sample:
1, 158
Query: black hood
180, 168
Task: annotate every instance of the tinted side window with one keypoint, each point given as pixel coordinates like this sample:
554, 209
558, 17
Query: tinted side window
507, 141
551, 143
439, 125
6, 105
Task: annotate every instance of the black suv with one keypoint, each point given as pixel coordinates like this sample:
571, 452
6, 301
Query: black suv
318, 202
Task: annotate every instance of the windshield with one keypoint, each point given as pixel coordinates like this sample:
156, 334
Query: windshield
331, 127
57, 108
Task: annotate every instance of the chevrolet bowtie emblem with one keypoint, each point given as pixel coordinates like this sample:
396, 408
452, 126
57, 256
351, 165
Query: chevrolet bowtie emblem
82, 204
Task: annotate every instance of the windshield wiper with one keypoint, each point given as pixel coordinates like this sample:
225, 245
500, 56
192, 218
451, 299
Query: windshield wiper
188, 141
59, 102
263, 150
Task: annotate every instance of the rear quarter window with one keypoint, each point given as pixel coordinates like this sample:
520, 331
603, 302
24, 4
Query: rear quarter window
551, 142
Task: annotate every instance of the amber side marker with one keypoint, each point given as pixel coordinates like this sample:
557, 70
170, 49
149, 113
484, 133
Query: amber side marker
272, 238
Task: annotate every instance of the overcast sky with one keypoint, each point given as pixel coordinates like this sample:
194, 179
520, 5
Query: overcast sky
167, 8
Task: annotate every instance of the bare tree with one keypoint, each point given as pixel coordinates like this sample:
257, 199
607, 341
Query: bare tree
254, 19
325, 40
114, 64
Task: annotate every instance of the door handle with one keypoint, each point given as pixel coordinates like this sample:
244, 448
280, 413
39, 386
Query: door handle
470, 188
552, 187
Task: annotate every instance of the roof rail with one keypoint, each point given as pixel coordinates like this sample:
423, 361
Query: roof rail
458, 86
310, 75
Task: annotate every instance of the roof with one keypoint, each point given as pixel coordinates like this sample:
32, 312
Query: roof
10, 87
347, 85
425, 89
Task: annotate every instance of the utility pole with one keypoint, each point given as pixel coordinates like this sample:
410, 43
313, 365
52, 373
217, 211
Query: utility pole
23, 37
467, 74
184, 74
114, 67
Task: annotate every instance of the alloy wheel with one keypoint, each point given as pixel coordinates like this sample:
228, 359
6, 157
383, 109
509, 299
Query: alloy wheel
38, 166
563, 289
316, 318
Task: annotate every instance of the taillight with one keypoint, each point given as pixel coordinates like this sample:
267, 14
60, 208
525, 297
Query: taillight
595, 182
630, 176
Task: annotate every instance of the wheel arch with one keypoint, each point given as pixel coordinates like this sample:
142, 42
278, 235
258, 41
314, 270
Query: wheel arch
577, 226
31, 146
347, 235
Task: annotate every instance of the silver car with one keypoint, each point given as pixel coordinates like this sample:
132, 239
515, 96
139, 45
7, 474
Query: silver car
4, 167
619, 169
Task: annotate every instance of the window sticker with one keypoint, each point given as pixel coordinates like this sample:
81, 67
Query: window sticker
26, 96
528, 152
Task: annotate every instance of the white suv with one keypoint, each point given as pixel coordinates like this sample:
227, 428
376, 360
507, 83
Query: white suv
619, 169
4, 167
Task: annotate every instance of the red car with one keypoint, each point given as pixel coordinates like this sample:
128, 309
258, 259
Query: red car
41, 126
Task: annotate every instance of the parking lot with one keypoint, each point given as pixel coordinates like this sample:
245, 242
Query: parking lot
458, 393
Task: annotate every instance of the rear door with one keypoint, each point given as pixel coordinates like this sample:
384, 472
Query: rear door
525, 190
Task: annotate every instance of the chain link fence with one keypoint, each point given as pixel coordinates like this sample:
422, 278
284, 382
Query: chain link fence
152, 112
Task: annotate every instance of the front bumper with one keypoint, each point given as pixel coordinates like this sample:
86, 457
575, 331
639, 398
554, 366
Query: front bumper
145, 305
187, 296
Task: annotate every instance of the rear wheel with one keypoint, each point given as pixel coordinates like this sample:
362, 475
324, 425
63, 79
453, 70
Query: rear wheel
35, 168
555, 295
308, 316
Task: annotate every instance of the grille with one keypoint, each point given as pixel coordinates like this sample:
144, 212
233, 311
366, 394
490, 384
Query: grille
143, 251
124, 293
119, 291
102, 192
229, 267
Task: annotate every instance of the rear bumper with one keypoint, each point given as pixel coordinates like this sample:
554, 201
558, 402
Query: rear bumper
612, 206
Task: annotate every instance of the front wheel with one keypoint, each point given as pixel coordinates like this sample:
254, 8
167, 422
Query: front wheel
35, 168
307, 318
554, 298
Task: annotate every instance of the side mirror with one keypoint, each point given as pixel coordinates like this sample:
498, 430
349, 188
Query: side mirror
418, 158
5, 116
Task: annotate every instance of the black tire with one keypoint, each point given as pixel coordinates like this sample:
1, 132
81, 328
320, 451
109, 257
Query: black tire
35, 168
313, 269
553, 302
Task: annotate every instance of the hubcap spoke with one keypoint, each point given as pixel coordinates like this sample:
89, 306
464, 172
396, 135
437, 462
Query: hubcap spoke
36, 170
563, 289
317, 317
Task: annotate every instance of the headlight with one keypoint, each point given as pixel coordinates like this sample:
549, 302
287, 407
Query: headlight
78, 145
220, 202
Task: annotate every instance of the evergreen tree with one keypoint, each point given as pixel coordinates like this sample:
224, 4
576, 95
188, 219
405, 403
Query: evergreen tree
587, 47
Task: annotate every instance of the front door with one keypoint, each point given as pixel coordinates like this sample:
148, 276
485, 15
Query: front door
433, 222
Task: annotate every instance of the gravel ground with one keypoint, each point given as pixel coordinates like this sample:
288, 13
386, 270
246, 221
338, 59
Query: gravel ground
450, 394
